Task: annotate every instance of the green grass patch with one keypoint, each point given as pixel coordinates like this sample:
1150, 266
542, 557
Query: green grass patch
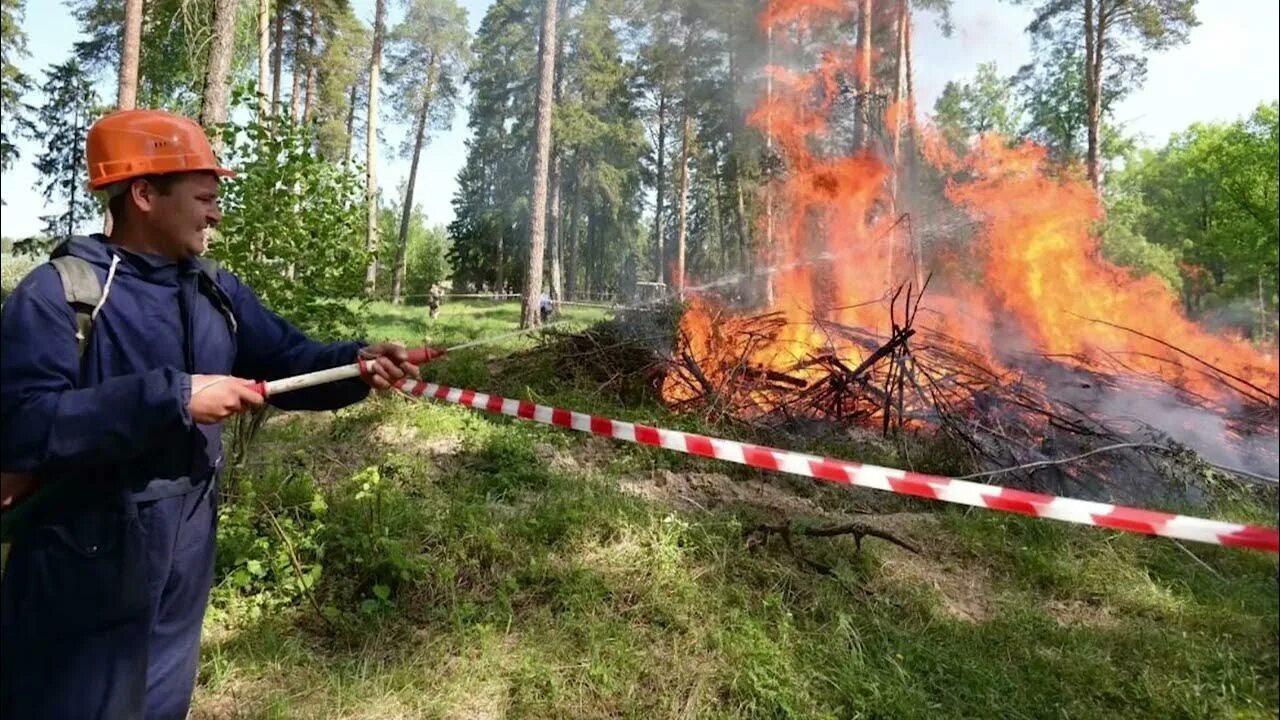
468, 570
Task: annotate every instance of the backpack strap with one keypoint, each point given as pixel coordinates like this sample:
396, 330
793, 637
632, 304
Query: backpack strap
82, 290
209, 278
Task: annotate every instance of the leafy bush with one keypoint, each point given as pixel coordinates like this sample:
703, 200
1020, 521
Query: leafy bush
279, 534
12, 269
270, 551
371, 540
293, 224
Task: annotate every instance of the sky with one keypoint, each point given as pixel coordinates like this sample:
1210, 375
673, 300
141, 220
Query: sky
1230, 65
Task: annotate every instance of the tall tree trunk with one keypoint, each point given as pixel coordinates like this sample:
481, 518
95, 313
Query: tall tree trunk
898, 82
659, 256
917, 246
571, 239
371, 152
277, 58
738, 206
864, 75
555, 203
351, 120
740, 218
541, 165
312, 64
766, 252
264, 58
127, 89
717, 215
1095, 28
553, 247
682, 194
589, 252
499, 267
127, 82
299, 66
910, 75
213, 108
420, 134
896, 134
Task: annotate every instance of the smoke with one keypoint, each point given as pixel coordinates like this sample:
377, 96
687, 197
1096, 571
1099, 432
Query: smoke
1154, 412
1209, 434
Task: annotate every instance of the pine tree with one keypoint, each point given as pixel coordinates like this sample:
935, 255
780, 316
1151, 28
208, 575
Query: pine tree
175, 40
1117, 37
428, 56
343, 78
213, 106
491, 204
371, 150
63, 120
13, 82
127, 87
541, 165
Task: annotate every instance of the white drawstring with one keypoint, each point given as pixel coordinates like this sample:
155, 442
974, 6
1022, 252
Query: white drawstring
111, 275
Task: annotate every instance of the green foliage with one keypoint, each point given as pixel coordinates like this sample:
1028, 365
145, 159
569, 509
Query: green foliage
598, 137
12, 269
949, 115
428, 261
427, 59
598, 128
291, 226
985, 105
1051, 93
174, 52
13, 82
426, 257
343, 77
1123, 35
1209, 199
61, 123
1122, 245
491, 202
370, 540
270, 546
1053, 97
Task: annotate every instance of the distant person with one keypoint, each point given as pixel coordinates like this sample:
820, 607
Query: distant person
123, 356
545, 307
434, 299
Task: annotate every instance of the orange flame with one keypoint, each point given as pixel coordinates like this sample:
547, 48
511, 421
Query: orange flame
1034, 277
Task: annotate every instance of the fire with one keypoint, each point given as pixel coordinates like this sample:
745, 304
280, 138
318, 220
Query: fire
1033, 283
1043, 266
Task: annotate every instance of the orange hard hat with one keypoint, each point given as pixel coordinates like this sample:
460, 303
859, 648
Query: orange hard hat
134, 143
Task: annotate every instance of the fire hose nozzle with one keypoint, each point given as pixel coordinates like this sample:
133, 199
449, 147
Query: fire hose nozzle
418, 356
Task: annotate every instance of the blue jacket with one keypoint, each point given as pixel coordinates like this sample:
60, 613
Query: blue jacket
124, 424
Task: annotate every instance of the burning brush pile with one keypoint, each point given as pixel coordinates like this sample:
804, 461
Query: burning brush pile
1024, 345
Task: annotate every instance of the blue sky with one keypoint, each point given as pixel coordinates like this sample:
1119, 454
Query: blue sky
1230, 65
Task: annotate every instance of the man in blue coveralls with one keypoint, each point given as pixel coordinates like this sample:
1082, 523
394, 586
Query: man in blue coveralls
112, 403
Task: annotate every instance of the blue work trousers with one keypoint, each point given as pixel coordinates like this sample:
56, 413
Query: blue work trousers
101, 607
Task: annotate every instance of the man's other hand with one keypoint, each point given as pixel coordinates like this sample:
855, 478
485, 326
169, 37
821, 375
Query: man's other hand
215, 398
390, 364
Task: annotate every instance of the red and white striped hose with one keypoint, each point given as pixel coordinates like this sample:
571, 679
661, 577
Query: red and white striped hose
904, 482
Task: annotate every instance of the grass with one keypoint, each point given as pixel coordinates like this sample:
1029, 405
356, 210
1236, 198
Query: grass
523, 580
12, 269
